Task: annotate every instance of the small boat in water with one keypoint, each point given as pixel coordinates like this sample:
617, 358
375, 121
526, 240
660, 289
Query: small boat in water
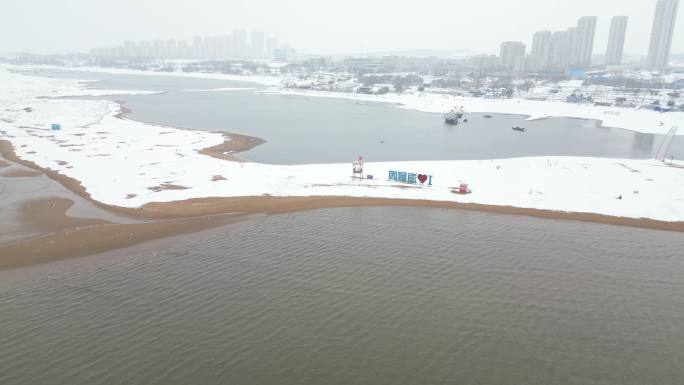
488, 116
453, 116
518, 128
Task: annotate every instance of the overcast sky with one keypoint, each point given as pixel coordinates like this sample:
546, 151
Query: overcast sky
317, 26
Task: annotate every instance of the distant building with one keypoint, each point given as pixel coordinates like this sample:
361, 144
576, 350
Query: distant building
560, 50
130, 49
240, 42
183, 49
529, 63
171, 49
616, 41
271, 46
158, 48
584, 49
145, 49
197, 47
283, 54
572, 34
540, 44
552, 50
486, 63
661, 37
257, 44
510, 52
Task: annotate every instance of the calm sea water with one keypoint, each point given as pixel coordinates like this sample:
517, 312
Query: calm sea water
357, 296
324, 130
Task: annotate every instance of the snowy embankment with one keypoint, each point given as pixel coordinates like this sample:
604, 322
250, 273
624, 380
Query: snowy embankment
126, 163
637, 120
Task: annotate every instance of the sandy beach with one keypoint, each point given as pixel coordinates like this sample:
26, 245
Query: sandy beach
71, 237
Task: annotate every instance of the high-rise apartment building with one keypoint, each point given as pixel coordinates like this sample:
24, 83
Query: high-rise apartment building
661, 36
584, 48
561, 48
540, 43
510, 52
616, 40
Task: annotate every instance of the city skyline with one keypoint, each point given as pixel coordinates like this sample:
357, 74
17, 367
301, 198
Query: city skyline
550, 50
55, 30
239, 44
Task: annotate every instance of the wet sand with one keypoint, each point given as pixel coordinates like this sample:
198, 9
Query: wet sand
73, 238
49, 215
281, 205
20, 173
234, 143
91, 239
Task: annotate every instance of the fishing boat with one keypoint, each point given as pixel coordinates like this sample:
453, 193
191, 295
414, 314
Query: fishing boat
488, 116
453, 116
518, 128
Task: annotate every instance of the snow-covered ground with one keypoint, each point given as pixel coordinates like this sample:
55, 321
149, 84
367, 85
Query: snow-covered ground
258, 79
638, 120
127, 163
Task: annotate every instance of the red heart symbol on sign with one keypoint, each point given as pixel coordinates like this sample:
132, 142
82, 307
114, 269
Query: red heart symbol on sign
422, 178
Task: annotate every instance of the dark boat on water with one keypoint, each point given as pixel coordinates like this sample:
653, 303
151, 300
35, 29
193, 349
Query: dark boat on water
488, 116
453, 116
518, 128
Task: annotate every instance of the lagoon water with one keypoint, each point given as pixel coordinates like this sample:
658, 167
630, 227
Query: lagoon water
357, 296
302, 129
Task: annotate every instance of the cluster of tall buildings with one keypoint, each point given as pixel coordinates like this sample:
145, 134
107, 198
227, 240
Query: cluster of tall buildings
574, 47
237, 45
555, 50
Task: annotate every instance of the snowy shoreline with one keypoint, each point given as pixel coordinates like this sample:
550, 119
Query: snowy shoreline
637, 120
642, 121
125, 163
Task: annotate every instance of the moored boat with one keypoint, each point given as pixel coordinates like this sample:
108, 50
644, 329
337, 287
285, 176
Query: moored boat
453, 116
